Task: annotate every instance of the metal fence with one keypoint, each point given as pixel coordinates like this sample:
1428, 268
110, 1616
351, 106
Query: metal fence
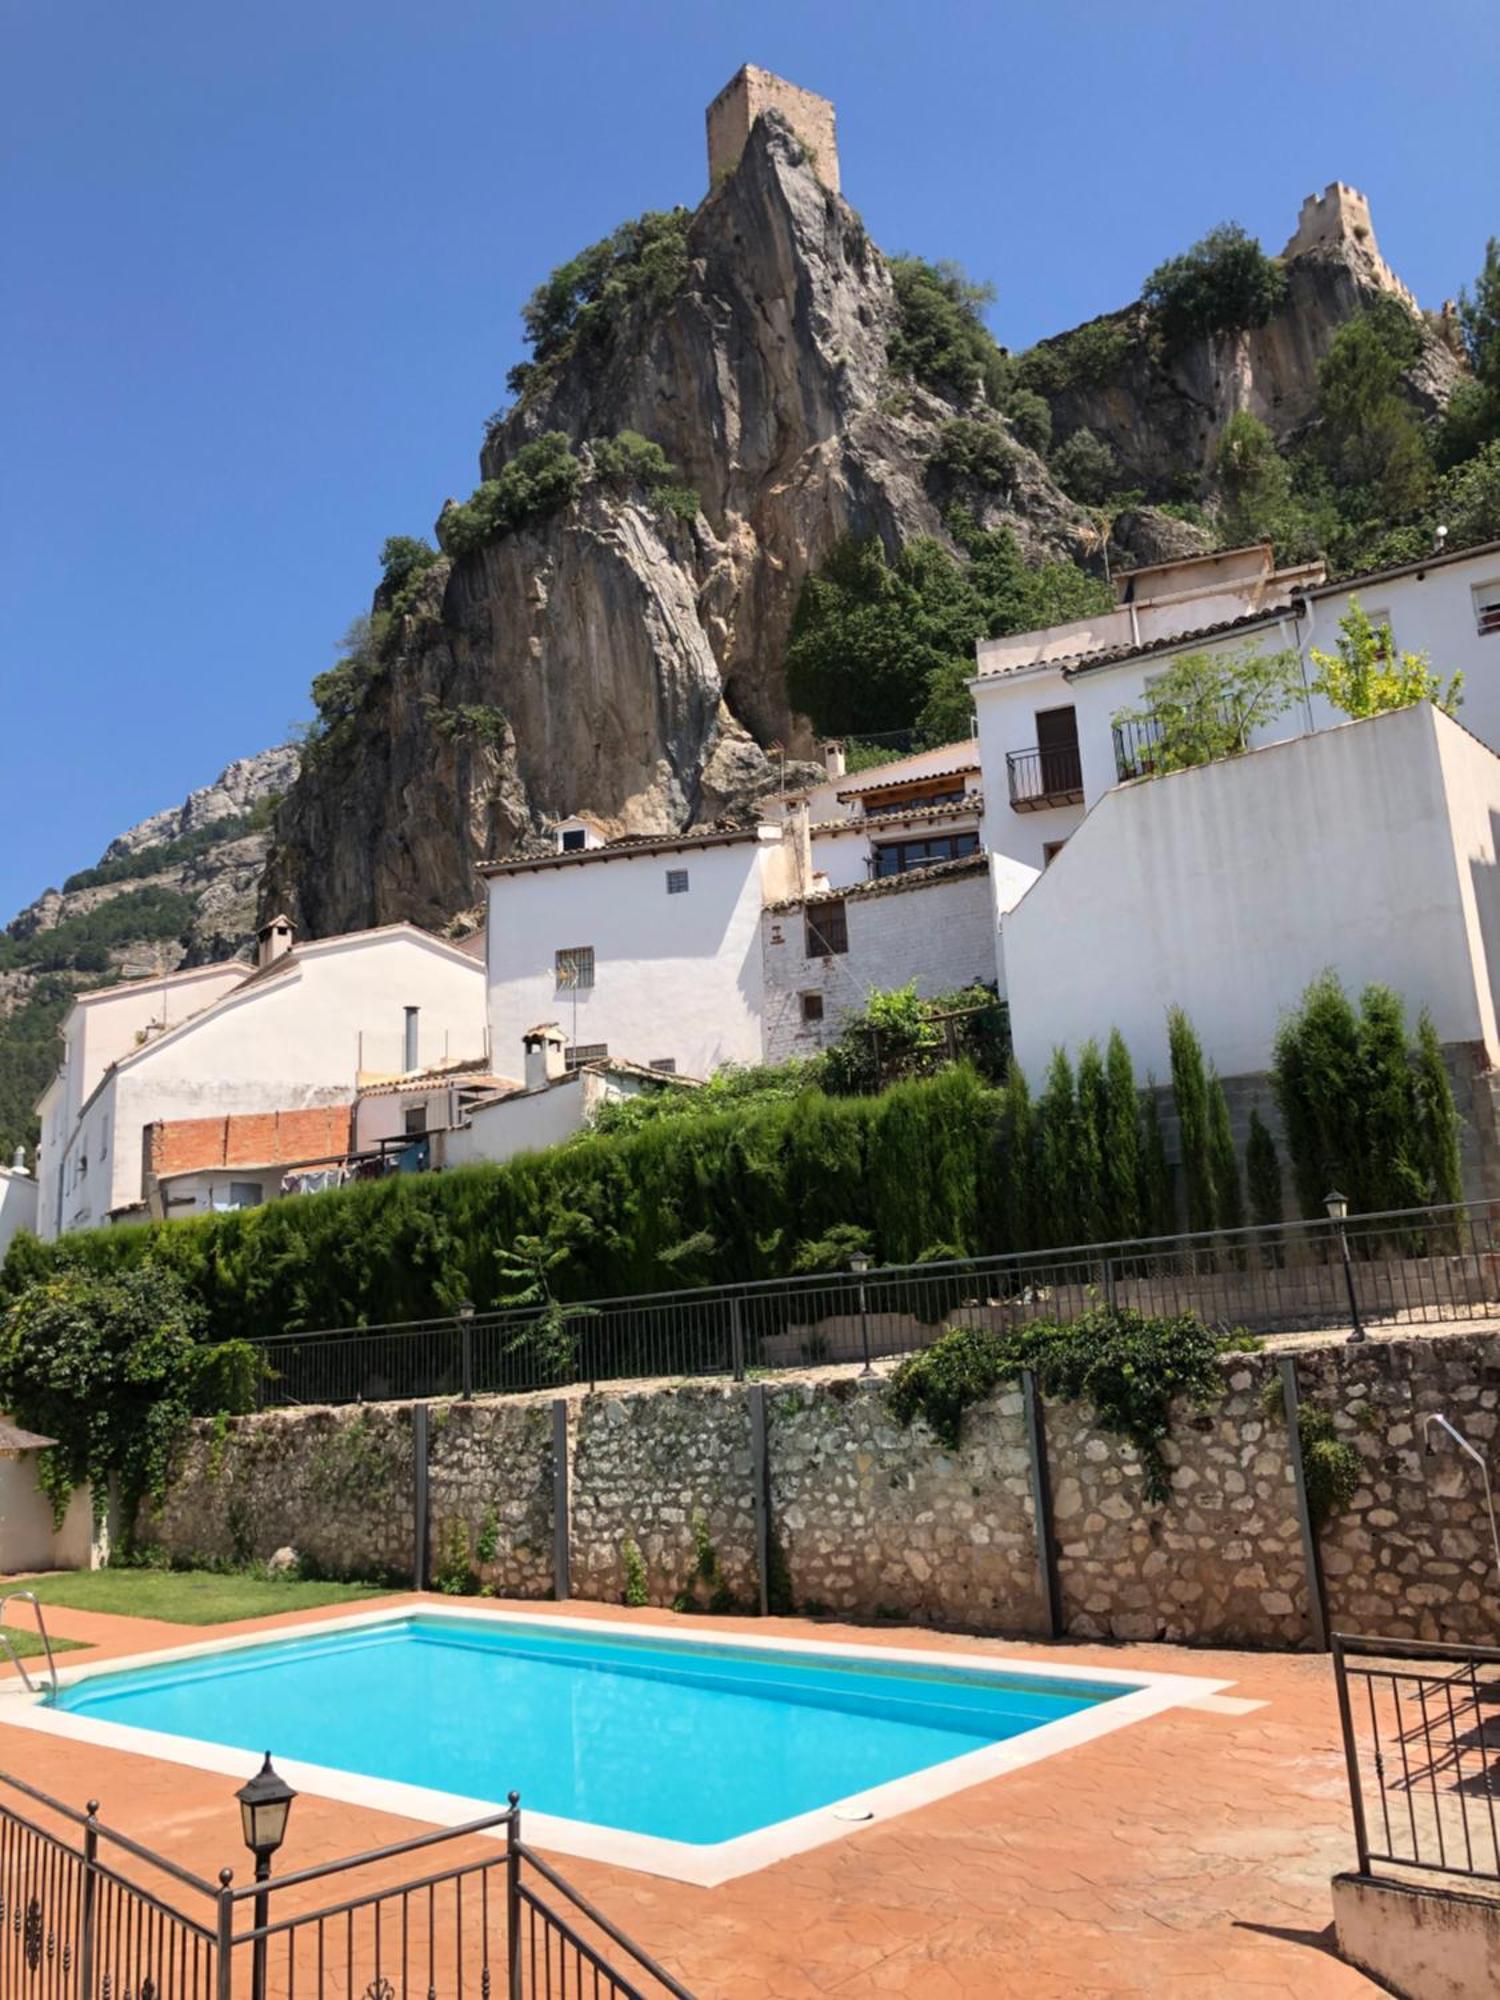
1409, 1267
1421, 1727
88, 1914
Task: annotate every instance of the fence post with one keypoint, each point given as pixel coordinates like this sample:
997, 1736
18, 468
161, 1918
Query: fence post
466, 1357
86, 1910
513, 1899
1317, 1609
1041, 1502
1109, 1282
736, 1339
1351, 1758
224, 1970
562, 1577
760, 1483
421, 1499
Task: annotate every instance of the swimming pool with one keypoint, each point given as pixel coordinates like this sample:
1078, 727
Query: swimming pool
682, 1746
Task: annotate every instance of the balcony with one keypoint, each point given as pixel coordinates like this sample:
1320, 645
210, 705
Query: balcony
1042, 778
1137, 747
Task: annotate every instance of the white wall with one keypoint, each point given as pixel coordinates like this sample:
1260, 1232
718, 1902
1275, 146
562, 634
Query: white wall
1226, 889
284, 1042
531, 1120
18, 1206
28, 1540
676, 977
940, 934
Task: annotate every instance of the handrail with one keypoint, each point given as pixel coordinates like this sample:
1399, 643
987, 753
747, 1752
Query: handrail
612, 1931
30, 1597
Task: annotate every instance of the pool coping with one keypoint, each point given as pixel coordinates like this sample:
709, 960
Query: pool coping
704, 1866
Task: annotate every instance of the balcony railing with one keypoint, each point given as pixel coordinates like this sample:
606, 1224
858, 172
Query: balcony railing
1137, 745
1040, 778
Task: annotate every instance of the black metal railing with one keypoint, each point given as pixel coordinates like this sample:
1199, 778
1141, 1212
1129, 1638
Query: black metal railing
1412, 1267
80, 1919
1421, 1729
1040, 778
1137, 748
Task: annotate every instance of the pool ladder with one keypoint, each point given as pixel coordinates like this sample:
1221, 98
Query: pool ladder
29, 1597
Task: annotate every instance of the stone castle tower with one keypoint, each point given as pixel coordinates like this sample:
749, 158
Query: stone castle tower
749, 92
1341, 215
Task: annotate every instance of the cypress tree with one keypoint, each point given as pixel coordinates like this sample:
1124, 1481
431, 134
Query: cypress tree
1316, 1073
1190, 1089
1122, 1143
1390, 1136
1437, 1118
1263, 1174
1015, 1176
1090, 1125
1224, 1166
1157, 1199
1056, 1209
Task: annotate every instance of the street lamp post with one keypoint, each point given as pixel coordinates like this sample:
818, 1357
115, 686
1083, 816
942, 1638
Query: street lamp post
463, 1312
264, 1804
859, 1263
1338, 1213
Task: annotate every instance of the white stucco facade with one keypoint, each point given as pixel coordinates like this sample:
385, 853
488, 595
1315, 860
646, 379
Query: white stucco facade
1369, 849
1443, 608
528, 1121
18, 1205
304, 1030
664, 938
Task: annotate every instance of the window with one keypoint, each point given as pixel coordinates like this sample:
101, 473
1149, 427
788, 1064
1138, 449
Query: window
666, 1065
575, 968
812, 1008
414, 1120
827, 930
243, 1194
895, 857
1050, 851
586, 1052
676, 881
573, 838
1487, 607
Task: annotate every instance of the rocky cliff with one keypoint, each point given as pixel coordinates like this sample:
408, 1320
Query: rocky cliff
179, 888
1161, 408
637, 659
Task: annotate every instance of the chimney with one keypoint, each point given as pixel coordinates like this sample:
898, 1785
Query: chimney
274, 940
18, 1164
833, 758
545, 1060
409, 1053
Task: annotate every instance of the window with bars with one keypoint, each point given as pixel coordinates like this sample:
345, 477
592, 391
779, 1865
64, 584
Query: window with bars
812, 1008
586, 1052
677, 881
575, 968
827, 930
1487, 608
664, 1065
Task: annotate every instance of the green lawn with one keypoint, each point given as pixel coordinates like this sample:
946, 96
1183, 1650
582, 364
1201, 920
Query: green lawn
29, 1646
186, 1596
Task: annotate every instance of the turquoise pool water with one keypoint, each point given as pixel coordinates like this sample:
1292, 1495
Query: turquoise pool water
692, 1743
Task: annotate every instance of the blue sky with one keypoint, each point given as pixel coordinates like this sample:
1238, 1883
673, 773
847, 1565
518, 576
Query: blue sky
262, 267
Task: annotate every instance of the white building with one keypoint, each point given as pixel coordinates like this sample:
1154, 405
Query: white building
303, 1029
18, 1201
1370, 849
645, 949
1046, 701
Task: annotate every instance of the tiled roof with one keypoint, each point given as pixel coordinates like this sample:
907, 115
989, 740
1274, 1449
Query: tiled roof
1071, 664
1434, 561
970, 805
626, 845
464, 1074
891, 885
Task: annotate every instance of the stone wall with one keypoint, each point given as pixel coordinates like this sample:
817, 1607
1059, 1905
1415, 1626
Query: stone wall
869, 1519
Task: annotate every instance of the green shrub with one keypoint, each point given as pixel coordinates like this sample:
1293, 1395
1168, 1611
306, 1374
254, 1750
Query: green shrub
1030, 418
1129, 1367
453, 1570
940, 338
1190, 1089
642, 263
633, 1567
404, 561
1086, 468
629, 461
542, 479
1224, 284
974, 451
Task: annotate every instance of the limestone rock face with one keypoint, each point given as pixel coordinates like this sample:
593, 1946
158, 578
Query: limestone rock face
637, 660
1162, 412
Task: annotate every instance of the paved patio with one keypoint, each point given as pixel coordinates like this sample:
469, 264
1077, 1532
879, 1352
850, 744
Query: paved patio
1189, 1854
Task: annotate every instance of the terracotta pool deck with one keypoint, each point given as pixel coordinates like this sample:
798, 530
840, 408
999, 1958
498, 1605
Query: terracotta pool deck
1189, 1854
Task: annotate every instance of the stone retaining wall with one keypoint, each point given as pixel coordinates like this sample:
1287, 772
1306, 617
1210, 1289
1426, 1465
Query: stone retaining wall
869, 1519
